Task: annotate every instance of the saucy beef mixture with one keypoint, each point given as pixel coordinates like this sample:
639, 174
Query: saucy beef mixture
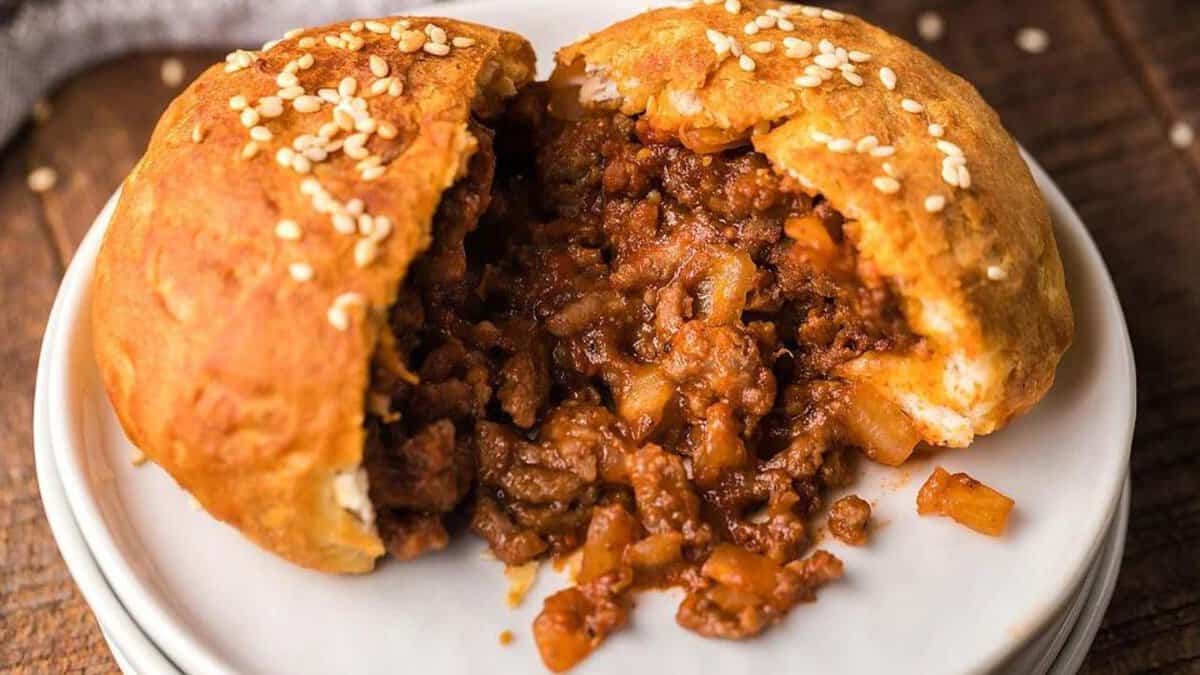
618, 344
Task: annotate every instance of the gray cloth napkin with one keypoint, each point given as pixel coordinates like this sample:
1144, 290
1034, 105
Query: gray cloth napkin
42, 41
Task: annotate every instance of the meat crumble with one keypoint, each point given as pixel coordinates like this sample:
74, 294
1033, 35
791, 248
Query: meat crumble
619, 344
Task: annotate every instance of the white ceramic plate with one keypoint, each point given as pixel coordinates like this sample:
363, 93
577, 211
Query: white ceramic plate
926, 595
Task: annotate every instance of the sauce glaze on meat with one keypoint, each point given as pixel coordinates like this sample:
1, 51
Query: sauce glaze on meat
620, 344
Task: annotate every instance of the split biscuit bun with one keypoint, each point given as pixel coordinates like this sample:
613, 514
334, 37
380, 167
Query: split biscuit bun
234, 317
849, 110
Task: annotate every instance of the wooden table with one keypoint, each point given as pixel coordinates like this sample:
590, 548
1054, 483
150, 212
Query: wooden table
1094, 109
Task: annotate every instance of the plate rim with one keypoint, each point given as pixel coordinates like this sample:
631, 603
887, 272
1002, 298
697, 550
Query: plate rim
192, 656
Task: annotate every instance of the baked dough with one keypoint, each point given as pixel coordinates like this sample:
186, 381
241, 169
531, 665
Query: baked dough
819, 93
214, 331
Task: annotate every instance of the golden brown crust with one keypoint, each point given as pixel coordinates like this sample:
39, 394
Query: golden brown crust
981, 279
224, 368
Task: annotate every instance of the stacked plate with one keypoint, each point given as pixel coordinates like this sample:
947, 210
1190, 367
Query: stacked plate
176, 591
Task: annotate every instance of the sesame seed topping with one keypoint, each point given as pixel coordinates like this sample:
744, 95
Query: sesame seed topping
733, 6
356, 26
269, 106
853, 78
288, 230
826, 47
293, 33
765, 21
396, 87
831, 15
238, 102
379, 67
948, 148
1033, 40
336, 315
435, 33
344, 223
930, 26
812, 12
950, 174
935, 203
964, 177
377, 27
286, 79
746, 63
347, 86
335, 41
300, 271
330, 95
762, 47
890, 170
249, 150
808, 81
996, 273
1181, 135
883, 151
785, 25
830, 61
42, 179
937, 130
307, 42
291, 67
820, 136
750, 28
866, 144
172, 72
283, 157
381, 228
307, 104
436, 49
249, 117
197, 133
365, 252
859, 57
379, 86
888, 77
387, 130
841, 145
797, 48
886, 184
411, 41
260, 133
305, 61
289, 93
462, 42
912, 106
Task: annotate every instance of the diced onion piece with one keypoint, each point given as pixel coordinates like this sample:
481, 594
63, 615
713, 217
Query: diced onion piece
561, 630
731, 278
656, 551
966, 500
612, 529
643, 399
720, 449
878, 426
735, 566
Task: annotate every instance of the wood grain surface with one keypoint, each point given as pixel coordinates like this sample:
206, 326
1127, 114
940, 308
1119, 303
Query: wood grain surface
1094, 109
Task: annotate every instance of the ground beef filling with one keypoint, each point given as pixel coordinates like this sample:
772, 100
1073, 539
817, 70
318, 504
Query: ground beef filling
620, 344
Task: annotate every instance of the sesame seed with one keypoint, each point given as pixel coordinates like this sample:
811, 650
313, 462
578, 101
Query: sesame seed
330, 95
238, 102
286, 79
172, 72
937, 130
964, 177
283, 156
765, 21
300, 271
820, 136
1181, 135
883, 151
387, 130
853, 78
301, 164
337, 318
954, 160
866, 144
289, 93
343, 119
365, 252
436, 49
888, 77
950, 174
435, 33
797, 49
890, 170
366, 224
785, 25
347, 86
306, 42
293, 33
1033, 40
411, 41
996, 273
396, 87
316, 154
462, 42
249, 117
291, 67
365, 125
911, 106
949, 148
808, 81
379, 67
197, 133
930, 26
288, 230
42, 179
750, 28
841, 145
260, 133
307, 104
381, 229
356, 26
826, 47
310, 186
249, 150
812, 12
886, 184
830, 61
746, 63
379, 86
377, 27
305, 61
344, 223
269, 106
935, 203
831, 15
335, 41
858, 57
733, 6
762, 47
